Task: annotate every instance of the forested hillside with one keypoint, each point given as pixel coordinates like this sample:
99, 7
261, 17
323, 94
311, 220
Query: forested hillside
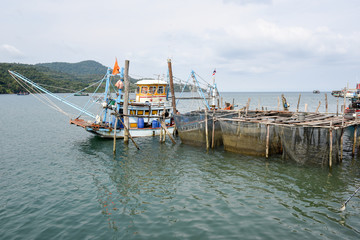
57, 76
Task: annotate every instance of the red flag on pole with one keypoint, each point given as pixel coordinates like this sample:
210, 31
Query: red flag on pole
116, 68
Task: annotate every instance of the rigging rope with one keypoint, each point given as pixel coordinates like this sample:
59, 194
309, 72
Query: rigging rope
49, 103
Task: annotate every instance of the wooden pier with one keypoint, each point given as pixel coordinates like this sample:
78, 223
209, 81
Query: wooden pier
303, 137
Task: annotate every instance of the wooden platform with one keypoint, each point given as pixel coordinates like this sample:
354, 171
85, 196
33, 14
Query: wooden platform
80, 122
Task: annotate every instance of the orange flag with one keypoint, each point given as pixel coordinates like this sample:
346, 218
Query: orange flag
116, 68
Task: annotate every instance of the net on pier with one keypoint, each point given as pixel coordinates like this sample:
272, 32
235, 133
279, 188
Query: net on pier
310, 144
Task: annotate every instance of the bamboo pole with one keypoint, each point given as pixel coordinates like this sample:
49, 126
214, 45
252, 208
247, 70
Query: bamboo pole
114, 147
278, 108
326, 103
126, 129
306, 106
161, 129
341, 144
248, 105
317, 109
343, 119
126, 101
167, 132
337, 107
172, 87
354, 145
267, 140
331, 145
297, 109
206, 130
213, 131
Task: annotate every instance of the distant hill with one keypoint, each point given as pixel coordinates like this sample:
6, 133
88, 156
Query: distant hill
88, 67
57, 76
61, 76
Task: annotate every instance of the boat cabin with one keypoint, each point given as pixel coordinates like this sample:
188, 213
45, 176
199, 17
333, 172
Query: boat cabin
151, 90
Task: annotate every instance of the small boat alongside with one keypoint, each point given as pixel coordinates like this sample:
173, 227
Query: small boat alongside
80, 94
21, 93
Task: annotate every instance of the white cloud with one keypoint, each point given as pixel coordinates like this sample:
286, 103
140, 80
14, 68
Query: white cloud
10, 52
242, 38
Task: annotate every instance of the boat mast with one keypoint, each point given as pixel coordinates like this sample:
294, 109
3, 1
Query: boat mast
106, 94
213, 91
118, 100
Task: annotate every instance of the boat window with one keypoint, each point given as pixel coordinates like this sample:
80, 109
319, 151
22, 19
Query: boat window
146, 112
132, 112
154, 112
137, 90
140, 112
144, 90
160, 90
152, 89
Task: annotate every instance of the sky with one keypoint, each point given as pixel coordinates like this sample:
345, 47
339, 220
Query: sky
254, 45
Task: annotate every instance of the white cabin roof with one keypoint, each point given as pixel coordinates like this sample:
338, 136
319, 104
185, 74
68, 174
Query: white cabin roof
151, 81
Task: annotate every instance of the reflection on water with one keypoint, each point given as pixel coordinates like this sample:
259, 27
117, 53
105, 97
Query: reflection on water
160, 186
60, 182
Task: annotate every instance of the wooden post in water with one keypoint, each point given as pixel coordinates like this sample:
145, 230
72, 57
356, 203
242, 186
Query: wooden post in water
206, 129
306, 106
326, 103
331, 144
114, 147
163, 125
297, 108
248, 105
267, 140
317, 109
278, 104
343, 119
126, 101
213, 131
341, 144
126, 129
354, 145
172, 87
337, 107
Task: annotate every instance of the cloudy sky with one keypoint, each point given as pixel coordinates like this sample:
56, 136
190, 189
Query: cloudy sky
255, 45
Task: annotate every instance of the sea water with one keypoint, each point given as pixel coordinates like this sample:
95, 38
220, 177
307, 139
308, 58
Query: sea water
58, 181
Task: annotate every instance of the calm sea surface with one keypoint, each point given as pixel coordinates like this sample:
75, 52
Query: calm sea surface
59, 182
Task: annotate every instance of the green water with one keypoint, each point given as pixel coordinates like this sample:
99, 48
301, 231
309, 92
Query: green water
60, 182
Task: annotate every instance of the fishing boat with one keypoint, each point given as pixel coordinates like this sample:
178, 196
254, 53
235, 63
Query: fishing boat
353, 110
21, 93
149, 113
79, 94
316, 91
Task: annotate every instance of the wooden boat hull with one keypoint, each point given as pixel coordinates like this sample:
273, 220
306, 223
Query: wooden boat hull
135, 132
104, 131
